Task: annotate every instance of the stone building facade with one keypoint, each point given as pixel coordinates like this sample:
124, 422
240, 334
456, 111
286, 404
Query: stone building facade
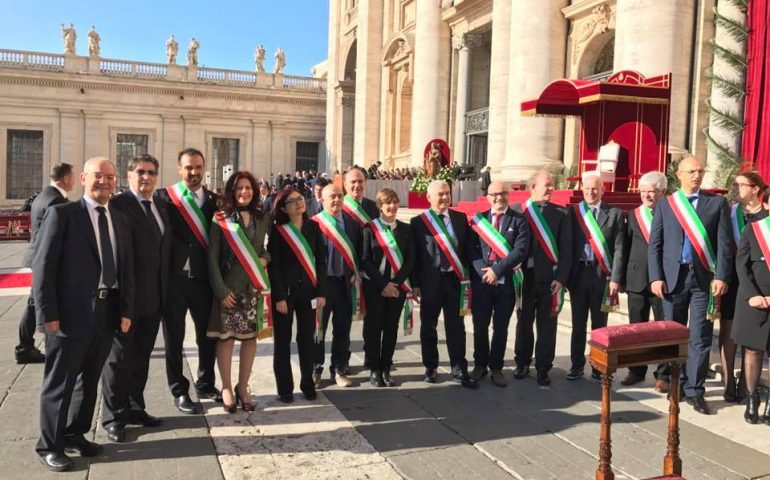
402, 72
69, 108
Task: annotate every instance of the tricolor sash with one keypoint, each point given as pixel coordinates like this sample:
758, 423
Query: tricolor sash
762, 232
547, 241
191, 213
395, 258
601, 249
643, 216
696, 233
251, 263
497, 242
351, 206
738, 222
344, 246
448, 245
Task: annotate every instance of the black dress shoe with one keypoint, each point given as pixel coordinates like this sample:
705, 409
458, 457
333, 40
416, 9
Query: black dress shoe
543, 379
29, 355
57, 462
699, 405
117, 433
466, 381
575, 374
387, 379
521, 372
286, 398
82, 446
185, 404
375, 378
310, 395
209, 392
143, 418
631, 379
751, 415
596, 376
479, 372
430, 375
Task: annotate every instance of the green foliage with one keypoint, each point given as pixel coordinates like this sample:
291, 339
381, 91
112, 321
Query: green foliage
730, 87
561, 175
421, 181
673, 180
726, 119
736, 60
737, 30
724, 176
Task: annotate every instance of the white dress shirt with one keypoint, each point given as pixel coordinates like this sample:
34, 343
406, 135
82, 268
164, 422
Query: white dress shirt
94, 215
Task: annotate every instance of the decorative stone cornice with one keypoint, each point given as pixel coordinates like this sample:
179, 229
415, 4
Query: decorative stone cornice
601, 19
467, 41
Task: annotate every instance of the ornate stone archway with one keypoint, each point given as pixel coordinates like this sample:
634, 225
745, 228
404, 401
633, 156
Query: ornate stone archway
396, 117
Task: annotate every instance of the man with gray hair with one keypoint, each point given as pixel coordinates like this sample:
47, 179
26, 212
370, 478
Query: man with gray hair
652, 187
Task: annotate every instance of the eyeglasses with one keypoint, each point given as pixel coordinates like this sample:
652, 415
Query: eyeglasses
693, 172
742, 184
497, 194
141, 171
296, 201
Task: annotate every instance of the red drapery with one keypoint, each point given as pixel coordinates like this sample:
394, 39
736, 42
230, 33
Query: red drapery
756, 134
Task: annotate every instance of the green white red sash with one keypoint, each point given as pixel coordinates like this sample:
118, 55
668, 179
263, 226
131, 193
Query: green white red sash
448, 245
643, 216
701, 244
191, 213
762, 232
251, 263
738, 222
344, 246
395, 258
601, 249
547, 241
497, 242
351, 206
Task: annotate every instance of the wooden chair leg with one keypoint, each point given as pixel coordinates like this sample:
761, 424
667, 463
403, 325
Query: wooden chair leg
604, 472
672, 464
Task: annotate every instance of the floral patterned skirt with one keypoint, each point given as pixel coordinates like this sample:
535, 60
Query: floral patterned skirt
239, 322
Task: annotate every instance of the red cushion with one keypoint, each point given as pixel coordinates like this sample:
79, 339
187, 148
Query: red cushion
639, 334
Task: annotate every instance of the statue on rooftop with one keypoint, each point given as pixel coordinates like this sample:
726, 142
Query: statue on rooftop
172, 48
259, 58
192, 52
70, 36
280, 61
93, 43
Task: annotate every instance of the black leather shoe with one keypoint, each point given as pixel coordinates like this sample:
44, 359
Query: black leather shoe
184, 404
29, 355
575, 374
479, 372
699, 405
117, 433
543, 379
631, 379
375, 378
57, 462
286, 398
209, 392
387, 379
143, 418
310, 395
82, 446
751, 415
596, 376
521, 372
466, 381
430, 375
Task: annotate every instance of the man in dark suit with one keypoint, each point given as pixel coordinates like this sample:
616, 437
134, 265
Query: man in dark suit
354, 181
546, 274
83, 284
437, 284
681, 276
125, 373
338, 299
316, 200
62, 180
652, 187
592, 288
189, 287
494, 296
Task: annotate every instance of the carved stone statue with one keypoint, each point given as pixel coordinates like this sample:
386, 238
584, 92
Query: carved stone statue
192, 52
259, 58
70, 36
172, 48
93, 43
280, 61
433, 160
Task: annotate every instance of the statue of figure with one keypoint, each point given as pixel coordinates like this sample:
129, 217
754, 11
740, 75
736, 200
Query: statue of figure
93, 43
192, 52
259, 58
280, 61
172, 48
69, 35
433, 160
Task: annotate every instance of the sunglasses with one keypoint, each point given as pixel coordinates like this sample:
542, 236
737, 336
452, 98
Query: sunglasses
141, 171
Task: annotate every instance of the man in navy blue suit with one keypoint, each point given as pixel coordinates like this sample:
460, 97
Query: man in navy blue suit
690, 262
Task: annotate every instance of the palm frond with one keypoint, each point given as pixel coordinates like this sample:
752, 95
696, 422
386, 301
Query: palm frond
742, 5
734, 28
726, 119
734, 59
731, 87
723, 152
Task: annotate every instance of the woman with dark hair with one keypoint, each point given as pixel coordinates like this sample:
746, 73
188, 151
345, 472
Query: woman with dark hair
236, 263
746, 209
752, 313
298, 280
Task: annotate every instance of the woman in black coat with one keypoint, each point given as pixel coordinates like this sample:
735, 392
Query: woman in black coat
384, 288
751, 327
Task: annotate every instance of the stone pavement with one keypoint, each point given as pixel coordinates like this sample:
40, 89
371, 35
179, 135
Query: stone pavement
414, 431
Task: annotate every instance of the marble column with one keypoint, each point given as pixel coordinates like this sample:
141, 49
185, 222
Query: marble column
463, 43
498, 79
368, 78
430, 105
332, 77
538, 33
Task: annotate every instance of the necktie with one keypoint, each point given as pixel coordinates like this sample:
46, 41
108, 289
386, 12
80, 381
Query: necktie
108, 260
443, 261
151, 217
496, 225
687, 245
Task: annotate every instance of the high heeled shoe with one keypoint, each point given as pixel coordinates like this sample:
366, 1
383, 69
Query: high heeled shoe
731, 394
229, 408
245, 404
752, 408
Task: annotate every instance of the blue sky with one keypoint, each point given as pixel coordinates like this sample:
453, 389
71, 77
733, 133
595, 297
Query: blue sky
228, 30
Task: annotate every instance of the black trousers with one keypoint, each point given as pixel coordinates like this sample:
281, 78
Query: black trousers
298, 303
446, 300
27, 326
70, 379
196, 296
380, 327
585, 296
639, 306
491, 303
535, 311
125, 372
340, 309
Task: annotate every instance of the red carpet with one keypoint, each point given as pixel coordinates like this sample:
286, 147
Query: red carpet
15, 280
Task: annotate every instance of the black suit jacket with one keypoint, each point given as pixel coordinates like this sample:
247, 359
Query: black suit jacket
49, 196
314, 207
151, 252
754, 281
370, 207
285, 271
184, 244
558, 221
612, 223
373, 254
514, 228
427, 270
67, 267
636, 271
